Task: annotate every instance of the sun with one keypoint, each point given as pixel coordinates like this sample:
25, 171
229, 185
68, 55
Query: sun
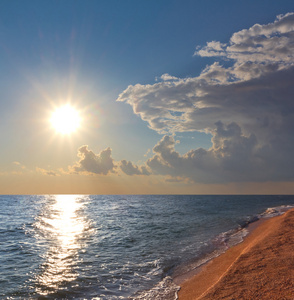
65, 119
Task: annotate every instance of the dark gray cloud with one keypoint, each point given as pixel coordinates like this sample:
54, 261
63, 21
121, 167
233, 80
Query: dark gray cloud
233, 157
130, 169
90, 162
247, 107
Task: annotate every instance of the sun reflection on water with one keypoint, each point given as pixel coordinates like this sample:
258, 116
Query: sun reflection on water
63, 226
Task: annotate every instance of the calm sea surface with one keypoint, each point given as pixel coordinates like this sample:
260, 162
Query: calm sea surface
116, 247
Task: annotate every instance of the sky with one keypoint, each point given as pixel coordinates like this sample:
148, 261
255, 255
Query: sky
173, 97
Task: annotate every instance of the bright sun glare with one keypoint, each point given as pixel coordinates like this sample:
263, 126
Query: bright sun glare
65, 119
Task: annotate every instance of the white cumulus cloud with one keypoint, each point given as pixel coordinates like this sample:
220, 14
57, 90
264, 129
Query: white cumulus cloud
247, 107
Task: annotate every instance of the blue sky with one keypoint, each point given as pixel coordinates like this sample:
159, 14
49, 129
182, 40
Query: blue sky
89, 52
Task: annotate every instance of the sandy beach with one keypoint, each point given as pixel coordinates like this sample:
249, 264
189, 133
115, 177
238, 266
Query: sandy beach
261, 267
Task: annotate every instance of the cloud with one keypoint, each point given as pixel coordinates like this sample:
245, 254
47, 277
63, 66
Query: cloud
233, 157
90, 162
46, 172
147, 152
174, 180
260, 72
167, 77
17, 163
128, 168
257, 50
246, 106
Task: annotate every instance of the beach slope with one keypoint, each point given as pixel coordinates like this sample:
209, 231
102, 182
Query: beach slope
261, 267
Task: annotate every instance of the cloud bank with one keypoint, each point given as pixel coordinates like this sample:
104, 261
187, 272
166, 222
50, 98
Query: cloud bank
247, 107
102, 164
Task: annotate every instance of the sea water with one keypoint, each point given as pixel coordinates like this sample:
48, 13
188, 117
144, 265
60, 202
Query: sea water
117, 247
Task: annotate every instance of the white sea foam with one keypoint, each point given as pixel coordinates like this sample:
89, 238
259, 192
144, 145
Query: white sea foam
166, 289
275, 211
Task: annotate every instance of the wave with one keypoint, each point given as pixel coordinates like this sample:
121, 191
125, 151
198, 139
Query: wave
167, 288
114, 247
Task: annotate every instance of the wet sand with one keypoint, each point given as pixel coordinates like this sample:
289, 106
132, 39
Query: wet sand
261, 267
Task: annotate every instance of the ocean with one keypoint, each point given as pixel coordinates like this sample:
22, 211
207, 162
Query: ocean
117, 247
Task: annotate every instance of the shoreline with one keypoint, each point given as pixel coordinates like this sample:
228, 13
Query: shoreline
255, 268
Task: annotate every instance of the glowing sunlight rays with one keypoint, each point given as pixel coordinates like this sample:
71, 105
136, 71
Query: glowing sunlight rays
65, 119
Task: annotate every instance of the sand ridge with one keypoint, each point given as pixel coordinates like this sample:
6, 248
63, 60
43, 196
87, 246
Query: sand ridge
261, 267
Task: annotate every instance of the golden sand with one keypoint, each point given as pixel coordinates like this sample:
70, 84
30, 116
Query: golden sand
261, 267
